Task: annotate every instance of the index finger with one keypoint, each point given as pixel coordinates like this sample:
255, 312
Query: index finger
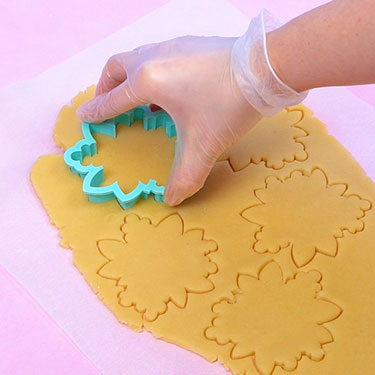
113, 74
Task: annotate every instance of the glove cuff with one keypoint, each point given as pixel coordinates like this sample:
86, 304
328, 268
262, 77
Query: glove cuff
252, 69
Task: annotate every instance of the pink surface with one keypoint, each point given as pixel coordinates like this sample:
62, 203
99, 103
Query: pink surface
365, 92
30, 341
37, 34
29, 244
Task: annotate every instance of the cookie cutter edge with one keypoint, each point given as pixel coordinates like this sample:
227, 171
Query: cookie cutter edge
93, 176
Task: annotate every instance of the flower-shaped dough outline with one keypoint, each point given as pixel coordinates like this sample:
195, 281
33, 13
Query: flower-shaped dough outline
122, 264
250, 150
301, 256
270, 283
93, 176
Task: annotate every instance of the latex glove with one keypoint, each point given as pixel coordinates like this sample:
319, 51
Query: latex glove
207, 87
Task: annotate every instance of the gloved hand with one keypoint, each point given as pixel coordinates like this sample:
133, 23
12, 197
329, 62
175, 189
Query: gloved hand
214, 88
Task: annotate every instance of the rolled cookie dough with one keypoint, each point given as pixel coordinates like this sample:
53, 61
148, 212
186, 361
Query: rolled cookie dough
268, 269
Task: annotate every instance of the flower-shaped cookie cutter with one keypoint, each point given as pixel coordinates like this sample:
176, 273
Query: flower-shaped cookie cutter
93, 176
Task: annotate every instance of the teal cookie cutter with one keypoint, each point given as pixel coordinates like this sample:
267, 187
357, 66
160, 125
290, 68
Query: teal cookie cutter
93, 176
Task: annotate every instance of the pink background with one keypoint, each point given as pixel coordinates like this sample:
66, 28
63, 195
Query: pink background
40, 33
46, 32
51, 322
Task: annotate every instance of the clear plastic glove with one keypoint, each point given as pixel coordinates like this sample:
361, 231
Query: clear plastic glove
206, 86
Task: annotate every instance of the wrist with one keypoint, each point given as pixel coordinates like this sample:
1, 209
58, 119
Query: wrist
288, 65
255, 75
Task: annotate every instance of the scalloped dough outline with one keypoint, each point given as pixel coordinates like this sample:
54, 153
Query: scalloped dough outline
290, 244
285, 281
169, 300
284, 160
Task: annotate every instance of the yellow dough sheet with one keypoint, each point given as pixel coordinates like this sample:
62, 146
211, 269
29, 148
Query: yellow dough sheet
269, 269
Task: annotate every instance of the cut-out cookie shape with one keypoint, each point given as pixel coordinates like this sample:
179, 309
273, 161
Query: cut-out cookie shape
157, 264
274, 143
274, 321
305, 212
